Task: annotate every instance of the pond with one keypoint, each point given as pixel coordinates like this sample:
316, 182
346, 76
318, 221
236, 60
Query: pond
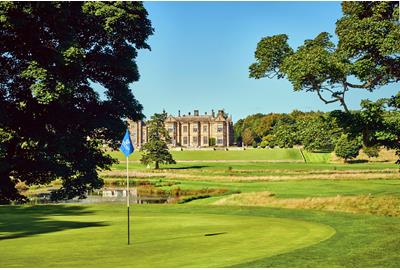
106, 195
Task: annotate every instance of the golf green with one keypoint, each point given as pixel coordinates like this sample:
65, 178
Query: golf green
95, 236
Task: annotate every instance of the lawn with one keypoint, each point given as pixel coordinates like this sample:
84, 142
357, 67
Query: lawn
162, 237
248, 154
194, 236
206, 165
202, 234
303, 189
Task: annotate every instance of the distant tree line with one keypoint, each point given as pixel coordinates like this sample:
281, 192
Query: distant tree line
375, 125
316, 131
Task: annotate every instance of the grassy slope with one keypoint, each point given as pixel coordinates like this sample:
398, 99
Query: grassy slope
248, 154
317, 157
95, 236
87, 236
92, 236
261, 166
302, 189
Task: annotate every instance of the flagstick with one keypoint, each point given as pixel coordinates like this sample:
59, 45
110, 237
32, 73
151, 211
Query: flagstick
127, 198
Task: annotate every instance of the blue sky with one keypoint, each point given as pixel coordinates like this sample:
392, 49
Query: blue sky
201, 52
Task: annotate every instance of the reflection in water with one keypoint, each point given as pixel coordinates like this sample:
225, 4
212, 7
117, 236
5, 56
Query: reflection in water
106, 195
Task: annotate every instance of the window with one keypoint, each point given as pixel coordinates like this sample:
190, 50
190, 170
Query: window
220, 128
184, 128
194, 129
220, 140
205, 140
184, 140
171, 129
194, 139
204, 128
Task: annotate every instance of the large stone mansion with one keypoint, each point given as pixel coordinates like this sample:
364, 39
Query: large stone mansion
191, 131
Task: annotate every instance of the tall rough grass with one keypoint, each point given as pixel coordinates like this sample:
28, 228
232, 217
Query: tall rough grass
365, 204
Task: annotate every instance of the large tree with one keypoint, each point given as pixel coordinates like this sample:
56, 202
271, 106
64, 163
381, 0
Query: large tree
347, 147
367, 55
156, 149
318, 132
53, 123
377, 123
248, 137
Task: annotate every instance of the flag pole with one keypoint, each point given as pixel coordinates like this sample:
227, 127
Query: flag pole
127, 148
127, 198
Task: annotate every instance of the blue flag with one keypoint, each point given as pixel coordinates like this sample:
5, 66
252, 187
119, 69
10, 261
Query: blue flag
127, 145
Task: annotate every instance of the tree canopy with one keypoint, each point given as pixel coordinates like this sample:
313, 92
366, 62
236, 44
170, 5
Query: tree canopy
53, 124
366, 56
347, 147
156, 149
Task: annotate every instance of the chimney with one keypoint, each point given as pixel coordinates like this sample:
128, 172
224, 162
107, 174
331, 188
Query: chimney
196, 112
212, 113
179, 113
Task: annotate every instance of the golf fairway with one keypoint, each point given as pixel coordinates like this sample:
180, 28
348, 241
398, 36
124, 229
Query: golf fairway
96, 236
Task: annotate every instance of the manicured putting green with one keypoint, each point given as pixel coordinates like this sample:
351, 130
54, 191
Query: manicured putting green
95, 236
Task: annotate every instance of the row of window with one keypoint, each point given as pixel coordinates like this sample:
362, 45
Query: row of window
205, 140
220, 128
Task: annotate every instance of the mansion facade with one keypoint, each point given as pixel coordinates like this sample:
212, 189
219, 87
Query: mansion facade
191, 131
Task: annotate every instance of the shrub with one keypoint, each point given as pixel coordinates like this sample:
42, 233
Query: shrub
371, 151
347, 148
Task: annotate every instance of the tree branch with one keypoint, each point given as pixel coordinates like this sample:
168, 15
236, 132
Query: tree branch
337, 97
360, 86
324, 100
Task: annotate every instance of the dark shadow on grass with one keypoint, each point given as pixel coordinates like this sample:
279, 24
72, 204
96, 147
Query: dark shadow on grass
357, 161
189, 167
20, 221
213, 234
179, 237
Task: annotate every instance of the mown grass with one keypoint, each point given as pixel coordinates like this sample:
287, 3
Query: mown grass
248, 154
175, 236
259, 166
95, 236
313, 157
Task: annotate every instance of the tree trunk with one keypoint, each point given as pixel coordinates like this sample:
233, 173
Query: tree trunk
157, 166
8, 191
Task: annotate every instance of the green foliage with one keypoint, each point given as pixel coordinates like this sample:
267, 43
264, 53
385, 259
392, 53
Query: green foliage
371, 151
377, 122
368, 50
270, 53
53, 123
248, 137
267, 141
347, 147
284, 135
260, 125
318, 133
156, 149
315, 130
